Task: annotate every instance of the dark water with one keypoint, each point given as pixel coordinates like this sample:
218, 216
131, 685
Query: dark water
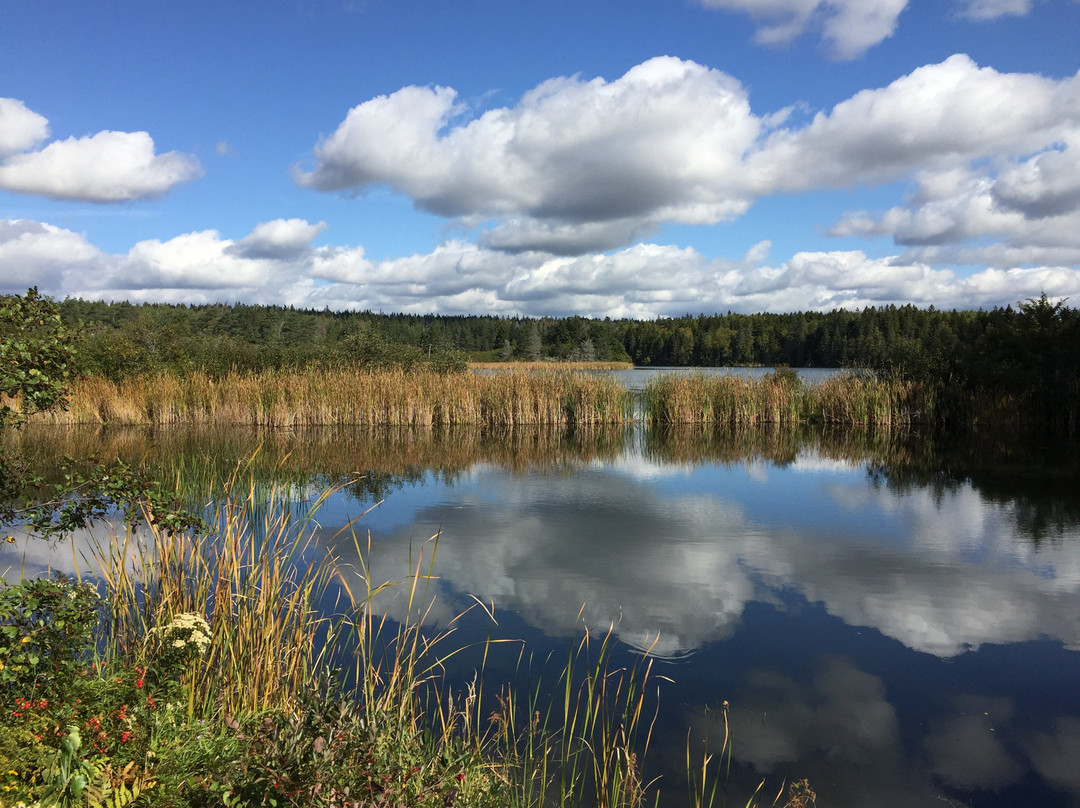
896, 619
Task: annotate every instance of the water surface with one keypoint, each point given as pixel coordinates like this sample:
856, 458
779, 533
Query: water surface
893, 618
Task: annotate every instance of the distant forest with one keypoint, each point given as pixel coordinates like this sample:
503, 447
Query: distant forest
128, 338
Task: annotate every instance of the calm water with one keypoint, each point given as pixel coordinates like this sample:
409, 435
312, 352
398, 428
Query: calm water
897, 621
637, 378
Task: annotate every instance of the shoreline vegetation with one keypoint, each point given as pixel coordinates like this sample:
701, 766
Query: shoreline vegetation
1007, 366
523, 397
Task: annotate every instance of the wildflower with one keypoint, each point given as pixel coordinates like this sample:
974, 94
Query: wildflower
186, 630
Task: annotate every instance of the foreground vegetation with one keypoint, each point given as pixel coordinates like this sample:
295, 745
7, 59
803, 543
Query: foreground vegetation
251, 666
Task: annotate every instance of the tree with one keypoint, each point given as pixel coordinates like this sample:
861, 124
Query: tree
533, 348
37, 353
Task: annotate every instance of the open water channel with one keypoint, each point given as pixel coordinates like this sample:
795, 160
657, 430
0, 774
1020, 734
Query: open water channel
894, 618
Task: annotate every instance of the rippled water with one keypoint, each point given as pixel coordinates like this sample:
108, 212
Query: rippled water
897, 621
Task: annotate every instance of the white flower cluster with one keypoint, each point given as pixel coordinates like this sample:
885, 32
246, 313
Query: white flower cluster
185, 630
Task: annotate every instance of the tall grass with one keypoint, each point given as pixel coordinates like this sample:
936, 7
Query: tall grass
735, 401
257, 578
341, 397
547, 395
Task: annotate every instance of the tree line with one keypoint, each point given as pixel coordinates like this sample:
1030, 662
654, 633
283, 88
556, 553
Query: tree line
1031, 351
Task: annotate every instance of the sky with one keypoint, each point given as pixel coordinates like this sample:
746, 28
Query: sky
639, 158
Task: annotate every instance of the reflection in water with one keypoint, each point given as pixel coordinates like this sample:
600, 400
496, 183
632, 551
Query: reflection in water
895, 617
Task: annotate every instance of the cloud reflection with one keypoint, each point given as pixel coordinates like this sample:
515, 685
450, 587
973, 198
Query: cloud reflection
678, 554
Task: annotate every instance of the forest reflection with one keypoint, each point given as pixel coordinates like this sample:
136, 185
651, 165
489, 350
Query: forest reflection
1035, 477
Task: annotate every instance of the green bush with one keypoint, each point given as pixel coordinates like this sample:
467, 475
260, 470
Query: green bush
45, 636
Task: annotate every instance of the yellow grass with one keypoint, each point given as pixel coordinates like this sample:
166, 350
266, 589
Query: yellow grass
736, 401
342, 397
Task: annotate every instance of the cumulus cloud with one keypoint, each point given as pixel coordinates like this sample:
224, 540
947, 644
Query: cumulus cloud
266, 266
38, 254
993, 157
1028, 215
938, 117
20, 128
848, 27
578, 166
281, 238
105, 167
1047, 185
581, 163
277, 263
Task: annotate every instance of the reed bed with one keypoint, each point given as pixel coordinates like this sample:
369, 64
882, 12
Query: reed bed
342, 397
519, 395
739, 402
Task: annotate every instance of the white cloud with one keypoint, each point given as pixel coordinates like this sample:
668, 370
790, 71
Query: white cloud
848, 27
198, 267
37, 254
939, 117
1046, 185
105, 167
1028, 215
582, 164
994, 157
20, 128
579, 166
276, 263
992, 9
281, 238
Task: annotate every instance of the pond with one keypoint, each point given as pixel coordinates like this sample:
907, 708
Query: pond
894, 618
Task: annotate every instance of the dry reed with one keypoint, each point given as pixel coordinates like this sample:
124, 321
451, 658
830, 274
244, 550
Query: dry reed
740, 402
340, 397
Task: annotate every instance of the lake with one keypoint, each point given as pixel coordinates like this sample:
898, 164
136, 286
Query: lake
894, 618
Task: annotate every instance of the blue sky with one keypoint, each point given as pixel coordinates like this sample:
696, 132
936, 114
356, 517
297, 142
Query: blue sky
631, 159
